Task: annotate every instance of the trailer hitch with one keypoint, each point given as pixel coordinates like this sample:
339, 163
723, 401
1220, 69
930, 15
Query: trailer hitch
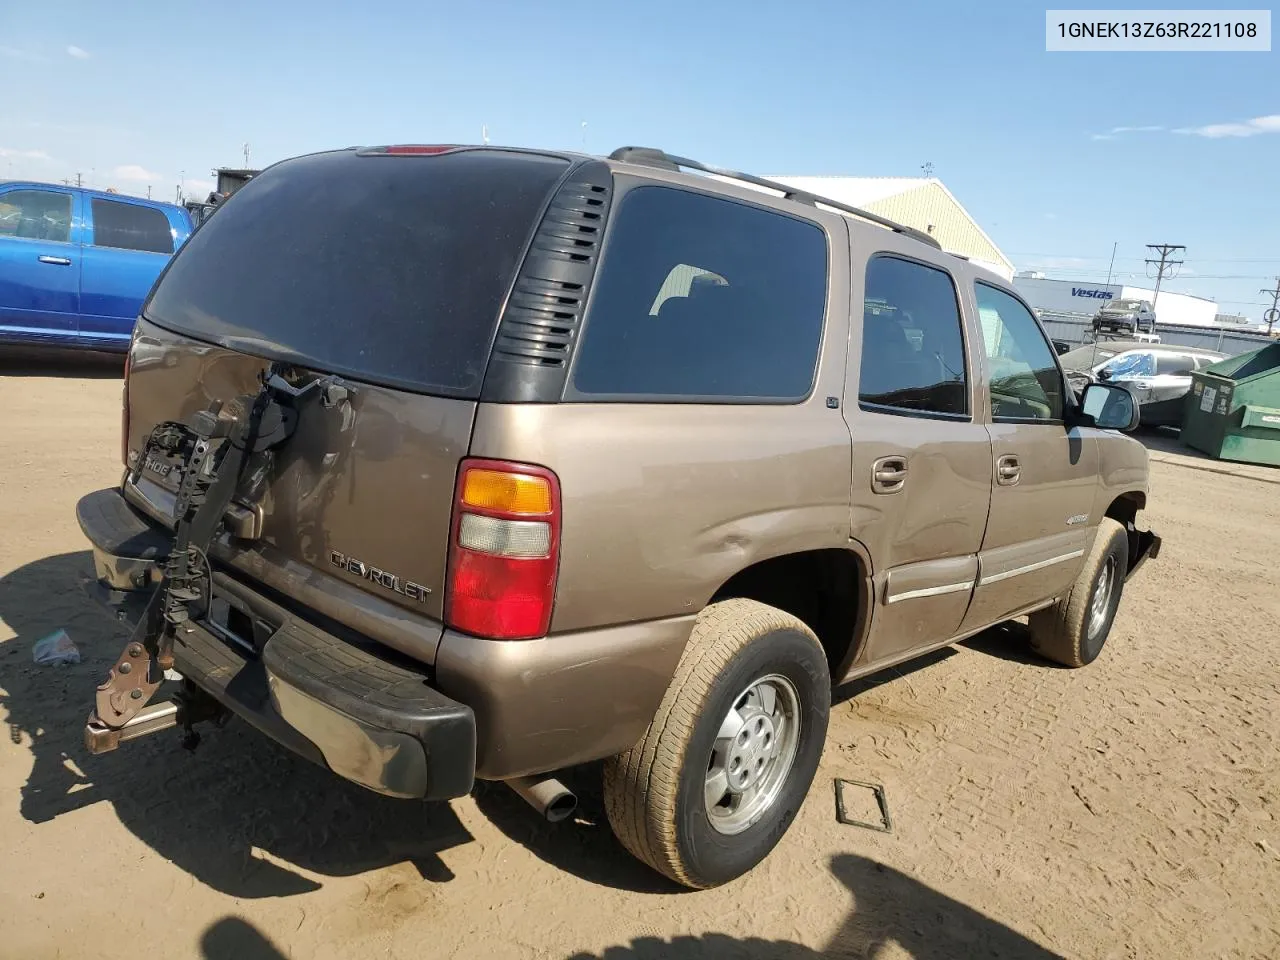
216, 446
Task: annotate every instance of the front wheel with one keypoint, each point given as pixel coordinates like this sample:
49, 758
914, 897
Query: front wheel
1073, 631
723, 767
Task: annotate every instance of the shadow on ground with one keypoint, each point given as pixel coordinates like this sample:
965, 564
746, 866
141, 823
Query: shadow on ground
1010, 641
75, 365
583, 845
224, 814
889, 908
232, 938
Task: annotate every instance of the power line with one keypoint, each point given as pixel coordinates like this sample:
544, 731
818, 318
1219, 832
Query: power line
1270, 315
1065, 256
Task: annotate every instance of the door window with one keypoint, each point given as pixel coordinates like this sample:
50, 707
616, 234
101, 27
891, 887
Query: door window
1173, 364
912, 346
36, 215
131, 226
1026, 383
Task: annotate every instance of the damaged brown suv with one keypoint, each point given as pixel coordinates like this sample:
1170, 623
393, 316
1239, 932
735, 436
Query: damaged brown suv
445, 463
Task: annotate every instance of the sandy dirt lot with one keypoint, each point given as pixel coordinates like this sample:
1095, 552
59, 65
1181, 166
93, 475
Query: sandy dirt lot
1125, 810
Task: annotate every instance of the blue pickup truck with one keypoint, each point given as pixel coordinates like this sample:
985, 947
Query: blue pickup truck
76, 264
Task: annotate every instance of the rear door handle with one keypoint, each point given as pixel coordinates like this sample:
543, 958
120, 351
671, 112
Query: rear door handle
1008, 470
55, 261
889, 474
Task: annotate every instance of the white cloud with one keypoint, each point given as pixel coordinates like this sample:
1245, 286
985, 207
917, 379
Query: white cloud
193, 187
1249, 128
78, 52
131, 171
10, 154
1117, 131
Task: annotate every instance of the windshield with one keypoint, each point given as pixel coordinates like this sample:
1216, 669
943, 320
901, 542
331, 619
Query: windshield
1130, 365
1125, 305
386, 269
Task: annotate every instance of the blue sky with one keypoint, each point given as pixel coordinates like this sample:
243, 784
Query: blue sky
1041, 148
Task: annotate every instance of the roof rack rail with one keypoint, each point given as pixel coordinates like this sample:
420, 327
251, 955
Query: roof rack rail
653, 157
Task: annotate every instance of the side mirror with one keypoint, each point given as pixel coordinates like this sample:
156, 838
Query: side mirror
1104, 374
1109, 407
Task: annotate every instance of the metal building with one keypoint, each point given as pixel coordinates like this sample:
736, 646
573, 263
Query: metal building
921, 202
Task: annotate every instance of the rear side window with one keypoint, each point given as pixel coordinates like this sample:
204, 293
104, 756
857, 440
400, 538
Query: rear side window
36, 215
129, 226
704, 298
389, 269
912, 345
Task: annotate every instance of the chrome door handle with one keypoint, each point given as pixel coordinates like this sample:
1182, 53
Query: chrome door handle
55, 261
1008, 470
889, 474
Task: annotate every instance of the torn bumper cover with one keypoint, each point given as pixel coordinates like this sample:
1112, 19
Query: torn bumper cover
338, 702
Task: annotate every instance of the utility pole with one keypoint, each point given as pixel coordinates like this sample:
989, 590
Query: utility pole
148, 191
79, 179
927, 169
246, 156
1271, 315
1165, 267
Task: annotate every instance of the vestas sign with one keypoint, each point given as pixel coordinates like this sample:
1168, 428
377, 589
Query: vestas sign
1092, 293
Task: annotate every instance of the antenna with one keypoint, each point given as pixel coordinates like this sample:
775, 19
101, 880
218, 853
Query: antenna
246, 156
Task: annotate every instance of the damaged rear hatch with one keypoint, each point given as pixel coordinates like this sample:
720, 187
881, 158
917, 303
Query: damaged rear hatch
387, 270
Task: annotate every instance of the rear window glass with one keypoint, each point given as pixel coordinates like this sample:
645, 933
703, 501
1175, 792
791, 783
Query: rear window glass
704, 298
386, 269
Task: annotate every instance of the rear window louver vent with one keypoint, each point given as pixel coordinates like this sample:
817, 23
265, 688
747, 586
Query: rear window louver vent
544, 312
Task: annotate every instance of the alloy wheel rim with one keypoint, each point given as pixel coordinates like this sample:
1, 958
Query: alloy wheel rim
753, 754
1100, 605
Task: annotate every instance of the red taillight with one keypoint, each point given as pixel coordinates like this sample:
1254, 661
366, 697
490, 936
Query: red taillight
504, 550
124, 409
418, 149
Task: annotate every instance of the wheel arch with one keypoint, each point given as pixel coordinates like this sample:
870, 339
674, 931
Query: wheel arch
1124, 510
829, 589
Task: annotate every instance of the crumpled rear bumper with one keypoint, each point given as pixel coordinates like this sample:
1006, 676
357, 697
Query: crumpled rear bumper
372, 718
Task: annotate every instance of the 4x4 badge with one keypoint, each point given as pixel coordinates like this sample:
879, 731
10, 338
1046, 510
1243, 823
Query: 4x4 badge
391, 581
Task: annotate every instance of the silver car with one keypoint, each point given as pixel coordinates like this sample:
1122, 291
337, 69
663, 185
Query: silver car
1159, 379
1125, 316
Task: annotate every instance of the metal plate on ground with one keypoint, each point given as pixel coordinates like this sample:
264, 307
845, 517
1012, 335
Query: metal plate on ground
845, 790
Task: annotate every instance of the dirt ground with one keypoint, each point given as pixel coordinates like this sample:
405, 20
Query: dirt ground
1125, 810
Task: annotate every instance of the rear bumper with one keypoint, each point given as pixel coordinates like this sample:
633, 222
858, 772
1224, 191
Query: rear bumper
530, 706
342, 704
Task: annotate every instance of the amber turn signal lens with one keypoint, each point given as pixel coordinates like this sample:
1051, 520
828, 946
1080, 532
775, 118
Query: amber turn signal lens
506, 492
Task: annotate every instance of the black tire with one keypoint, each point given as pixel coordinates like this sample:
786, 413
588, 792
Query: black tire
654, 792
1062, 633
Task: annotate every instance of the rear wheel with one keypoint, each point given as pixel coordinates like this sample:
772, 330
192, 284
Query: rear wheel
1072, 632
718, 776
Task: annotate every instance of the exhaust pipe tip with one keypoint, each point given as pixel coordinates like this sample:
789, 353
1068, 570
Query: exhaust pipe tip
551, 798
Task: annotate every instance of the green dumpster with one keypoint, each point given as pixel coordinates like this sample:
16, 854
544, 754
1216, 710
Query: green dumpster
1233, 409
